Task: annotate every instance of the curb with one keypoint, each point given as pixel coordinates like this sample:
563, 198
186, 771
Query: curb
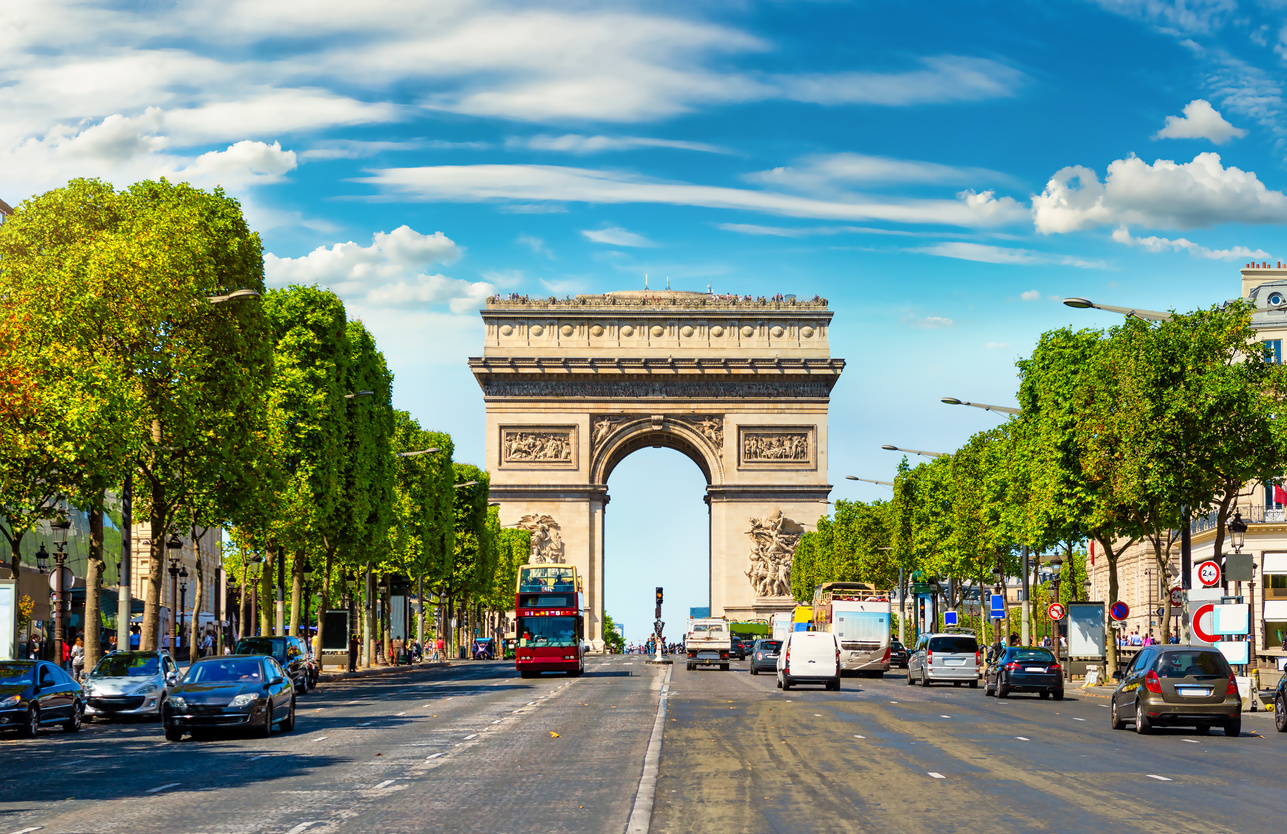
377, 671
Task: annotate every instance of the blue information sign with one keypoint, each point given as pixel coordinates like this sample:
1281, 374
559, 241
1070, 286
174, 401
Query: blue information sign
997, 607
949, 618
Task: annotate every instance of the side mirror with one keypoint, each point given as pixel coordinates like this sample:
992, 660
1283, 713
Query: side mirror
1117, 676
172, 679
275, 680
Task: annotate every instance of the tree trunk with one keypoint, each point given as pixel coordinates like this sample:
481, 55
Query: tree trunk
297, 591
94, 588
323, 603
386, 595
265, 592
150, 639
198, 595
1110, 640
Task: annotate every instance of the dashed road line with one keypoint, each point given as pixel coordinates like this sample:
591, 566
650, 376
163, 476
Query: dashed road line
1191, 740
386, 783
1078, 719
28, 830
1159, 778
945, 716
160, 788
1021, 738
937, 775
432, 756
858, 736
321, 738
303, 826
399, 715
470, 737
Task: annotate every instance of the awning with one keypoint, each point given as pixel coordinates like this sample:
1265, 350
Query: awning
1276, 610
1275, 563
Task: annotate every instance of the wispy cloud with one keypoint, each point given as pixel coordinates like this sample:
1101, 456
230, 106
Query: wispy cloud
615, 236
1161, 244
536, 244
987, 253
1031, 295
928, 322
575, 143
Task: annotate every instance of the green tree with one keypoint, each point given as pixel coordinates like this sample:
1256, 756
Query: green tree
616, 643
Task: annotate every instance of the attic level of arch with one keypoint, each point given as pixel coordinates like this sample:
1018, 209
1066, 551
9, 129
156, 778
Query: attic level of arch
650, 365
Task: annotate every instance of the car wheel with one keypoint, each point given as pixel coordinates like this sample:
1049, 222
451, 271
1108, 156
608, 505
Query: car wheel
32, 724
1044, 695
987, 688
753, 672
72, 725
1280, 715
690, 667
267, 730
1142, 725
924, 679
1233, 727
723, 667
779, 681
288, 723
909, 677
786, 683
1059, 695
1116, 720
1003, 691
974, 684
173, 733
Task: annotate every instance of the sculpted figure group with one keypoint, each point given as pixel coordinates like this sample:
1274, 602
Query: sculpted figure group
773, 542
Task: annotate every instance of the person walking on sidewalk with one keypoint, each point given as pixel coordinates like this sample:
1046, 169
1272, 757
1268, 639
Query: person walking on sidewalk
438, 647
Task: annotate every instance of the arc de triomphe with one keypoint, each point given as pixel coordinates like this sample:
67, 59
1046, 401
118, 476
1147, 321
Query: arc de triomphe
740, 387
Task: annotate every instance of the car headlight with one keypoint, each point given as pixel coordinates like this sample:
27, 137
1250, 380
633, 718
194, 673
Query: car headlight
147, 688
243, 700
87, 687
11, 701
178, 702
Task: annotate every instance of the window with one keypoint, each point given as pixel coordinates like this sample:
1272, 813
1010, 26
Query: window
1275, 349
954, 645
1192, 664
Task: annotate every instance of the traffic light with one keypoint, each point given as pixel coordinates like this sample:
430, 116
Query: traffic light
659, 596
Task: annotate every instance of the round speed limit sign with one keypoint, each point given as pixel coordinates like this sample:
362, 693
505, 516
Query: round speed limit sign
1209, 573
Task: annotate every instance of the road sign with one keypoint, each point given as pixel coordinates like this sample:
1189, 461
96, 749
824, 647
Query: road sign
1056, 611
949, 618
69, 579
1119, 611
997, 607
1204, 633
1177, 597
1209, 573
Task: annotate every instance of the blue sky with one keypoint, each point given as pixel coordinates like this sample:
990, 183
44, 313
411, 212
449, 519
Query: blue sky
943, 172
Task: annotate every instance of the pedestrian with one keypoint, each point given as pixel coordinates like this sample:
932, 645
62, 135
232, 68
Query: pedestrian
439, 646
353, 652
111, 644
78, 659
165, 641
135, 637
207, 644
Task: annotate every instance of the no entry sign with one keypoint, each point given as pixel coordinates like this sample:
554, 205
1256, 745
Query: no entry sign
1119, 611
1056, 611
1209, 573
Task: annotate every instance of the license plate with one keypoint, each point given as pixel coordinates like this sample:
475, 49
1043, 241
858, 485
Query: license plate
1034, 668
1193, 691
954, 661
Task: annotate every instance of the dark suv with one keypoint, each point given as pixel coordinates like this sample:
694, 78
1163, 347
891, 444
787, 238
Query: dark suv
290, 652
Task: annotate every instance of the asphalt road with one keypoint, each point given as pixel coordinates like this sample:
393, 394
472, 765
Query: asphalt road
475, 748
470, 748
741, 755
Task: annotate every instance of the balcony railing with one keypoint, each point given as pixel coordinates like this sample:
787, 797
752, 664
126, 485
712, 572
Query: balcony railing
1251, 515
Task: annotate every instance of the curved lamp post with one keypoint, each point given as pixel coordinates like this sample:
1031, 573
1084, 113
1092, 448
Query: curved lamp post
869, 480
1004, 409
889, 448
1087, 304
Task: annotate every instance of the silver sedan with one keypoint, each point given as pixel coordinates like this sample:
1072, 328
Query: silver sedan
129, 685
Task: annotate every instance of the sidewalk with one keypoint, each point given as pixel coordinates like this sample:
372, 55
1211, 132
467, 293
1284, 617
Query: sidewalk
374, 671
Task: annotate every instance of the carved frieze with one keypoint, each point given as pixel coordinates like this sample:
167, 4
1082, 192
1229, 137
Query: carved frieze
497, 386
547, 542
773, 542
711, 428
775, 447
538, 446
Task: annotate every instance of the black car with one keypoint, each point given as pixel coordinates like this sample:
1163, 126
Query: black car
228, 693
1024, 669
35, 694
764, 656
290, 652
897, 654
737, 647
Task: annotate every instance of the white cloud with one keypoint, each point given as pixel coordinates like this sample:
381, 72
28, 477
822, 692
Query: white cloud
576, 143
614, 236
388, 273
527, 183
806, 231
1188, 16
1162, 195
928, 322
1161, 244
996, 345
536, 244
828, 173
945, 78
240, 162
1200, 121
1031, 295
986, 253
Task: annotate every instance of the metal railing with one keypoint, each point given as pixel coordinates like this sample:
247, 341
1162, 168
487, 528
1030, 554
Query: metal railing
1252, 515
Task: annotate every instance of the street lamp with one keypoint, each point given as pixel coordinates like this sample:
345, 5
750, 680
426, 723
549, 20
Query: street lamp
183, 608
235, 294
1085, 304
1004, 409
889, 448
60, 526
428, 451
350, 595
1237, 532
363, 393
869, 480
173, 545
306, 574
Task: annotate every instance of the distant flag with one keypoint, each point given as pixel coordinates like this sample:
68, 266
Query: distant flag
1280, 495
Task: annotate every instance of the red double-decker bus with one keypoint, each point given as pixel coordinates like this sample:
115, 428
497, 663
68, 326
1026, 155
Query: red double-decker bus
550, 621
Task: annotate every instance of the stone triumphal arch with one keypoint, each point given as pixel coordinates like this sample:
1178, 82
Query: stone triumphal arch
739, 386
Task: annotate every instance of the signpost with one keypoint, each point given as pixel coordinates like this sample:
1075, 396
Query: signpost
949, 618
996, 607
1209, 574
1119, 610
1056, 611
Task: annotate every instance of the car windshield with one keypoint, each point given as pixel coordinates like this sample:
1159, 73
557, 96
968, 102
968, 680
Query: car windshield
1039, 655
771, 646
547, 631
14, 673
1195, 664
127, 665
261, 645
224, 671
952, 644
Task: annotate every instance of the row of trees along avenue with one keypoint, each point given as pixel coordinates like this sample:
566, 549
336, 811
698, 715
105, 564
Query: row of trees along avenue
127, 352
1123, 437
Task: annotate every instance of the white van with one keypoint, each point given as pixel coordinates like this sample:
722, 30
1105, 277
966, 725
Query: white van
809, 657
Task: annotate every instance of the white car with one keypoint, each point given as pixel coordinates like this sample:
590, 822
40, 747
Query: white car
129, 685
809, 657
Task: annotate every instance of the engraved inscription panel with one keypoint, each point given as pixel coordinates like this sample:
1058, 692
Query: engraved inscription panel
777, 447
538, 446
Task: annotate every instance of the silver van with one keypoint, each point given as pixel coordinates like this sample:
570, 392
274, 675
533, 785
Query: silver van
945, 658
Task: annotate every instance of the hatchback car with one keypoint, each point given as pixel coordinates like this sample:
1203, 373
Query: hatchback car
35, 694
1024, 669
230, 692
130, 685
764, 656
737, 647
291, 652
1186, 685
945, 658
897, 654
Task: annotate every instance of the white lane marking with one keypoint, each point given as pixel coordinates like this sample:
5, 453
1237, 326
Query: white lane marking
160, 788
433, 756
1158, 778
28, 830
945, 716
468, 737
893, 702
321, 738
1021, 738
401, 714
303, 826
1079, 719
498, 720
1191, 740
817, 715
366, 723
937, 775
260, 756
858, 736
386, 783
